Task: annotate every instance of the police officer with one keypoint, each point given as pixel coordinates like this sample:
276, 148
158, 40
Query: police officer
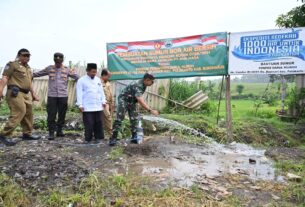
127, 101
57, 93
17, 75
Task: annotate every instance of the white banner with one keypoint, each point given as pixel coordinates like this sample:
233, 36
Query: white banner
267, 52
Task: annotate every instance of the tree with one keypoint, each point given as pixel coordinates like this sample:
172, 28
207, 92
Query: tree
239, 89
293, 18
278, 78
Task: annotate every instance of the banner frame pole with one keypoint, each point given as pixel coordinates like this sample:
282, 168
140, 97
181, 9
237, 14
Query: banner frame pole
229, 125
219, 100
228, 110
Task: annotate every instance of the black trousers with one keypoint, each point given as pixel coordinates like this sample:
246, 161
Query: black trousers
56, 105
93, 125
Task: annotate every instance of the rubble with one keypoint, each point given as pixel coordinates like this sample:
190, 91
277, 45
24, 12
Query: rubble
293, 177
38, 166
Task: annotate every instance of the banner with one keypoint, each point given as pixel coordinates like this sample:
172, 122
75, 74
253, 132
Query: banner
267, 52
200, 55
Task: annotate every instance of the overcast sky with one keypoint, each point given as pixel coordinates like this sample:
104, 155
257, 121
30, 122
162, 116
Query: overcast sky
81, 28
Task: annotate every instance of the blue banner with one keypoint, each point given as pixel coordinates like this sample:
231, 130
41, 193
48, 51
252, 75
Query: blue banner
283, 49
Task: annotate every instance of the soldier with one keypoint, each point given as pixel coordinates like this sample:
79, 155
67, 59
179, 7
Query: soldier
127, 102
107, 112
57, 93
17, 75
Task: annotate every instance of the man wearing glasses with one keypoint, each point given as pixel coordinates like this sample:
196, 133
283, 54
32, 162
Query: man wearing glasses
17, 75
57, 93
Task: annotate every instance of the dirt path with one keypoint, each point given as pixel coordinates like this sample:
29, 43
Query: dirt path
219, 170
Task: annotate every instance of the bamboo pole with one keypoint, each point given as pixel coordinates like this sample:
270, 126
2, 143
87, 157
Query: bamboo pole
228, 110
220, 99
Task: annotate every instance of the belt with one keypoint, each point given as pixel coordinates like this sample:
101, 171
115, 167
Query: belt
20, 89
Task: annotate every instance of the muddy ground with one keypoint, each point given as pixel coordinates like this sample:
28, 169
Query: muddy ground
220, 171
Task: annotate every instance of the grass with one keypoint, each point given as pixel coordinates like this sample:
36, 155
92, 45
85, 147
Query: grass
131, 190
4, 110
294, 191
11, 194
254, 88
233, 201
291, 166
116, 190
116, 153
205, 124
264, 129
180, 90
242, 109
257, 88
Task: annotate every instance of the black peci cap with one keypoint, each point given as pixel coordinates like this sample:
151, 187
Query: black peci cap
91, 66
58, 55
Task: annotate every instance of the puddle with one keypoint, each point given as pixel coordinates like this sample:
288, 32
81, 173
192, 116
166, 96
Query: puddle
185, 163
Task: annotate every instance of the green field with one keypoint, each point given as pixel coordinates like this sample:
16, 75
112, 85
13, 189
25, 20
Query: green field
254, 88
257, 88
242, 109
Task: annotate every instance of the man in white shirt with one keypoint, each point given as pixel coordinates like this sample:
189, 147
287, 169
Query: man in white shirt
91, 102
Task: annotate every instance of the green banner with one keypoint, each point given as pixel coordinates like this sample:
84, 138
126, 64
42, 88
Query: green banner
200, 55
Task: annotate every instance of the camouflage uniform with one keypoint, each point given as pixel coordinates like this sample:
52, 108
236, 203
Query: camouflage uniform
127, 102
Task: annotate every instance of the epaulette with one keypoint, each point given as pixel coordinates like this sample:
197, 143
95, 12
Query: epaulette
10, 62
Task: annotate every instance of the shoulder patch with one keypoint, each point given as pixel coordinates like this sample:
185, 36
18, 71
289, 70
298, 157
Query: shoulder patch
7, 66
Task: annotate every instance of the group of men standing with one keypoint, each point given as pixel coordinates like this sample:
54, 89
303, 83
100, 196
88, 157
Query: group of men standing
94, 99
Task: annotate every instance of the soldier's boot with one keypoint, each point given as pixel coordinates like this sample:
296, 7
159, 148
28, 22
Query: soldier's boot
30, 137
6, 142
51, 135
60, 133
113, 139
134, 138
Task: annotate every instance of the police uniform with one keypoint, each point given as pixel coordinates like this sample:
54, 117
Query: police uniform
107, 112
20, 103
127, 103
57, 95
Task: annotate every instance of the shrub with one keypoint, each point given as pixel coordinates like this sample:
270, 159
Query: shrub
208, 107
181, 90
239, 89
